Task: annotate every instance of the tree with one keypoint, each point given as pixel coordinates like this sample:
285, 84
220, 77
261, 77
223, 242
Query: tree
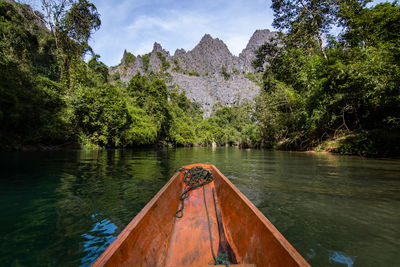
71, 23
265, 54
54, 11
98, 67
306, 21
29, 102
354, 95
151, 94
100, 114
371, 27
78, 24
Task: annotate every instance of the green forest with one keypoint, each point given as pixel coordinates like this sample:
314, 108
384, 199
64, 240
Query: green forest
339, 94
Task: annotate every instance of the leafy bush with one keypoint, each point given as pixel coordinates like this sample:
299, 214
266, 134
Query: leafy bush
224, 73
100, 114
193, 73
164, 63
142, 130
146, 61
370, 143
129, 58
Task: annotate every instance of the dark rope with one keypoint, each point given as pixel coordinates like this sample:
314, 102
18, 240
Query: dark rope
222, 258
194, 178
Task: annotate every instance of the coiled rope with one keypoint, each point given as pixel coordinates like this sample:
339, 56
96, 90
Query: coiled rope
196, 177
193, 178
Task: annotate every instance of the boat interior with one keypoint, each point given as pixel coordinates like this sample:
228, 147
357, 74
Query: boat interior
240, 234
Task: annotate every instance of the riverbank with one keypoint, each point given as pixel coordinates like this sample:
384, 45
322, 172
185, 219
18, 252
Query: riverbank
372, 143
375, 143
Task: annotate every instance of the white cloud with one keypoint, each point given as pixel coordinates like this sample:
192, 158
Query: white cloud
136, 25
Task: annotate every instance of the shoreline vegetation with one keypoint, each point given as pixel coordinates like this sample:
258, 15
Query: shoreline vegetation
342, 96
339, 146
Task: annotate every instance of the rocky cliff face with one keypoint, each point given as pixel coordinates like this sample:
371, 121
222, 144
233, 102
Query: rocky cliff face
259, 38
207, 57
208, 73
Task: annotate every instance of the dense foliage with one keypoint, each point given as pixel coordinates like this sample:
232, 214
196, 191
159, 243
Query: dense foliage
49, 96
343, 96
348, 90
30, 101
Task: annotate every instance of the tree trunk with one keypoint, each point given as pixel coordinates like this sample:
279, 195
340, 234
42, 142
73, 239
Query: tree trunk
46, 5
320, 44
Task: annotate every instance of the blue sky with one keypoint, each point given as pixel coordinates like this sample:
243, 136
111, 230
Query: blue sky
136, 24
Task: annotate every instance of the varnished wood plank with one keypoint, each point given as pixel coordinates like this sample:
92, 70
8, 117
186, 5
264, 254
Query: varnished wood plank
155, 237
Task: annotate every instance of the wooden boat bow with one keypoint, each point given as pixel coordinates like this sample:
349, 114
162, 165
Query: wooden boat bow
155, 237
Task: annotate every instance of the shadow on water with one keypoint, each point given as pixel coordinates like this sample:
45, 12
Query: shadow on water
63, 208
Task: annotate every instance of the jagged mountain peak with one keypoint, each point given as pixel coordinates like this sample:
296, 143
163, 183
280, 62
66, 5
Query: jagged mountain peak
123, 59
258, 38
206, 37
209, 73
209, 56
207, 42
157, 47
179, 52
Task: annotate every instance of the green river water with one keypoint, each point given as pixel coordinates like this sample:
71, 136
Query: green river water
62, 208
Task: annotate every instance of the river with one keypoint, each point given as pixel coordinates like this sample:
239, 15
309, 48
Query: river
62, 208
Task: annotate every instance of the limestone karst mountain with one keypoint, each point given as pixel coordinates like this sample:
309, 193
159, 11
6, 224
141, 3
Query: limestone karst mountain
259, 38
208, 73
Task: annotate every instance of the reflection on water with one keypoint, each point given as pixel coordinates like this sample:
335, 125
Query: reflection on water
64, 208
97, 240
337, 257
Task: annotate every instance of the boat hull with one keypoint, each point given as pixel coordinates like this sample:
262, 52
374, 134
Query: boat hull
155, 237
